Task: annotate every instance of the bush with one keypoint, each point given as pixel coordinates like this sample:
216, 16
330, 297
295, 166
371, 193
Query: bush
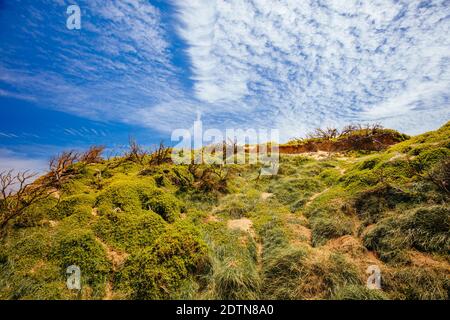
164, 204
34, 214
330, 176
73, 204
130, 231
175, 259
129, 196
79, 247
356, 179
430, 157
32, 242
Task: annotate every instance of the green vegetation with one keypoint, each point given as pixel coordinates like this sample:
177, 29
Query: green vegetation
167, 269
140, 227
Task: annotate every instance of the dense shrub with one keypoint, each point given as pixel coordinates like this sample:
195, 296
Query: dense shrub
129, 231
164, 204
129, 196
171, 263
73, 204
120, 221
429, 157
36, 213
79, 247
355, 179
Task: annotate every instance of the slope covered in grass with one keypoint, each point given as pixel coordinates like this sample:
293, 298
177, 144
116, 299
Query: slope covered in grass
146, 230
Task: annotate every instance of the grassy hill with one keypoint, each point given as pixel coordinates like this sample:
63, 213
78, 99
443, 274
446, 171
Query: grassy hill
141, 228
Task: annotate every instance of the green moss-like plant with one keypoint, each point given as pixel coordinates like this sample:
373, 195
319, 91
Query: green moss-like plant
164, 204
126, 195
129, 232
73, 204
158, 272
79, 247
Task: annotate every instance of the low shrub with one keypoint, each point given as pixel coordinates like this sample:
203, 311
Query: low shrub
127, 195
79, 247
174, 260
36, 213
129, 232
164, 204
73, 204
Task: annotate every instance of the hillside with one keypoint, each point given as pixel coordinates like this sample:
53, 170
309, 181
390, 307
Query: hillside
143, 228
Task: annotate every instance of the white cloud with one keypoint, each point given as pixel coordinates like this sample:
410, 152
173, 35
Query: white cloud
312, 63
286, 64
118, 63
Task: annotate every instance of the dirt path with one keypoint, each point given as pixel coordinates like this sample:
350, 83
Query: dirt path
117, 259
246, 225
314, 196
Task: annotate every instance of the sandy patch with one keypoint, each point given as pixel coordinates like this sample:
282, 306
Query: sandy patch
243, 224
266, 195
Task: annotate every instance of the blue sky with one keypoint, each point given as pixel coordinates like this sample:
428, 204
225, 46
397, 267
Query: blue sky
146, 68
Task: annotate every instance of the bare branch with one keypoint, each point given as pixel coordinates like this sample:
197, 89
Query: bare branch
18, 192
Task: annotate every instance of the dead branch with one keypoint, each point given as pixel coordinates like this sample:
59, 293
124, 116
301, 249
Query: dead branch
18, 192
92, 155
161, 155
135, 153
60, 167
